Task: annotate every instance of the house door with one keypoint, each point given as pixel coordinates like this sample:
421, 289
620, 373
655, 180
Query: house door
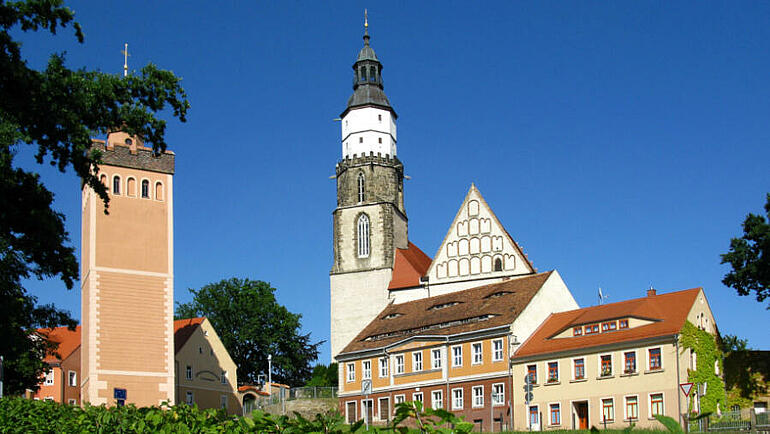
581, 410
534, 418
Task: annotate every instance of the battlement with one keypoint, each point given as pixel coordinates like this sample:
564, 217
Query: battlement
360, 160
134, 156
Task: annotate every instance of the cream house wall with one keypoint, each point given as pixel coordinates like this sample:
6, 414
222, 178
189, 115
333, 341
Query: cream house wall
553, 296
208, 358
593, 388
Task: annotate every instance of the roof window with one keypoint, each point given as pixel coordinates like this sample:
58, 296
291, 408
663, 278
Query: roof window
498, 294
392, 315
443, 305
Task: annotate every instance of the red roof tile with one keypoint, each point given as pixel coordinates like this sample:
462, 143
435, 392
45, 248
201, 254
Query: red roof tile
668, 311
183, 329
69, 341
410, 264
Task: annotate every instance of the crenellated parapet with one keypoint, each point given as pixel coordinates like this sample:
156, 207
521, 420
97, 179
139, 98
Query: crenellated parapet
135, 156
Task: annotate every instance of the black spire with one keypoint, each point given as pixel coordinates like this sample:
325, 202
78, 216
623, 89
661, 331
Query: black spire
367, 79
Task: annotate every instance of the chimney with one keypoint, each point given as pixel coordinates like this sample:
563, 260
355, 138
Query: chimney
651, 292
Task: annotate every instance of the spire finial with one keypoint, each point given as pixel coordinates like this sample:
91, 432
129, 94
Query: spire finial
125, 59
366, 27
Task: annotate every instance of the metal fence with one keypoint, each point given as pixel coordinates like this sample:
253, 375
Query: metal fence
312, 392
730, 421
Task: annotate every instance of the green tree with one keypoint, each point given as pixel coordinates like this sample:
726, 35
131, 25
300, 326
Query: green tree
57, 111
732, 343
324, 376
749, 257
251, 325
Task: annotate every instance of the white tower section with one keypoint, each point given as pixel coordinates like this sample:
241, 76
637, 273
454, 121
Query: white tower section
368, 130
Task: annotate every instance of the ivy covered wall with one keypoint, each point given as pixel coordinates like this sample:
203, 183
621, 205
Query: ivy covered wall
708, 356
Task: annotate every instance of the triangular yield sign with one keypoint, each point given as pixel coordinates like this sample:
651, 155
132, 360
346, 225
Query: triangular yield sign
686, 388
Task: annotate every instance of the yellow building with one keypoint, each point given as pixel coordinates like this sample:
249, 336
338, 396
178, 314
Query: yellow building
127, 281
449, 351
609, 365
205, 374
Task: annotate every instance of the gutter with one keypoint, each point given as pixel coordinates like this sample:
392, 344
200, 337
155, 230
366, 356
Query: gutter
584, 350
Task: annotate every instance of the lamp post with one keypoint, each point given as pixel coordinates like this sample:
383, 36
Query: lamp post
512, 343
270, 376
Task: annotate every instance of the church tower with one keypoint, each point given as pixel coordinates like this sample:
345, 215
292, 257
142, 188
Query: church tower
127, 280
370, 221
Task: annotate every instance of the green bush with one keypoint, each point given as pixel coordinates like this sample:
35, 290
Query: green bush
19, 415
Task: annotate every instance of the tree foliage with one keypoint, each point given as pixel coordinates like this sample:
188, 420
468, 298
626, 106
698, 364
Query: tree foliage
57, 111
324, 376
251, 325
749, 257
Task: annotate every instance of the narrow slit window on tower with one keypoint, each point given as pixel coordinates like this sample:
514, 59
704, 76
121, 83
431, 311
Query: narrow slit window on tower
146, 189
116, 185
498, 264
379, 118
361, 187
158, 191
363, 236
360, 140
379, 139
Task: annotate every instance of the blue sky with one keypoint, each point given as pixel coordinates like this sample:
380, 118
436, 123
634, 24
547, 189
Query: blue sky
621, 143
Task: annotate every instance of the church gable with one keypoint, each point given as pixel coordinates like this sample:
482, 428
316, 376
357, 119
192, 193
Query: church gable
477, 246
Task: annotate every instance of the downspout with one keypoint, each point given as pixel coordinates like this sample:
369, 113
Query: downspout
446, 363
678, 382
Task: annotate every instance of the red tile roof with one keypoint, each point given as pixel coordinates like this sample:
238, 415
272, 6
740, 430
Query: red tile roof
410, 264
183, 329
472, 309
667, 311
69, 341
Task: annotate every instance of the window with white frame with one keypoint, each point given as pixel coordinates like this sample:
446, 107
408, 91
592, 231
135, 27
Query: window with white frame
400, 364
383, 367
223, 377
48, 398
417, 361
72, 401
478, 396
555, 413
457, 356
655, 359
223, 401
435, 358
498, 394
367, 370
656, 404
116, 185
553, 372
188, 372
605, 365
398, 399
608, 410
48, 378
579, 368
632, 408
457, 399
189, 398
437, 399
145, 189
73, 378
497, 350
363, 236
417, 396
351, 372
477, 355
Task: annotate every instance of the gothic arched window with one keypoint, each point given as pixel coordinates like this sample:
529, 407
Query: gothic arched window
498, 264
363, 236
361, 187
146, 189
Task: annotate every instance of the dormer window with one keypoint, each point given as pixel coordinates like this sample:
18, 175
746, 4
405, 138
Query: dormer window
498, 294
577, 331
623, 324
392, 315
443, 305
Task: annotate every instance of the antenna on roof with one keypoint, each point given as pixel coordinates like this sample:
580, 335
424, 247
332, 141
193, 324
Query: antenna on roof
602, 297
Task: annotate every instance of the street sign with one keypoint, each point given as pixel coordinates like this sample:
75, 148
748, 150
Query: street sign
366, 387
686, 388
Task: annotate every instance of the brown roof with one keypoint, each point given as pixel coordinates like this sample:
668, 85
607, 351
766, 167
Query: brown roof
183, 329
69, 341
475, 310
410, 264
668, 311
